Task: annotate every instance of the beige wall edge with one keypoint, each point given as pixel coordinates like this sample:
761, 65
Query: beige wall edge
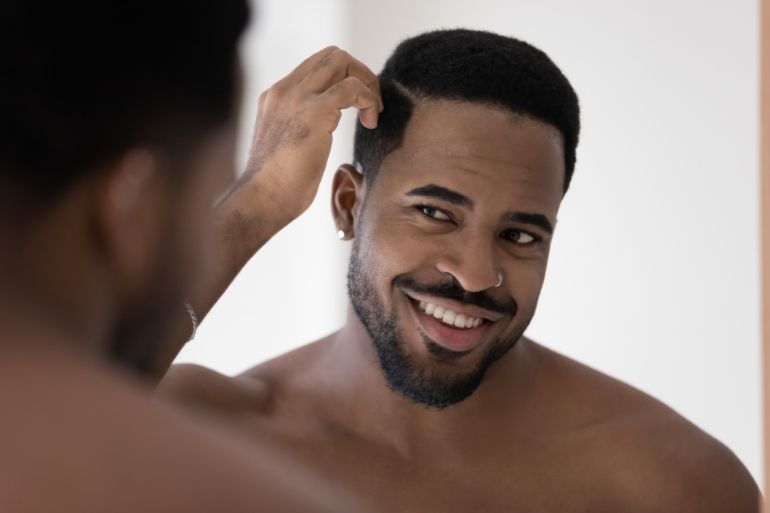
764, 88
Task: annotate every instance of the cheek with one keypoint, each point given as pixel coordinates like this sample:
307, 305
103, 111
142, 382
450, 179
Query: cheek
199, 239
195, 239
190, 252
524, 280
396, 247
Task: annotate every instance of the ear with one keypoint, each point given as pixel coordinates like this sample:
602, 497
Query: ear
347, 197
128, 214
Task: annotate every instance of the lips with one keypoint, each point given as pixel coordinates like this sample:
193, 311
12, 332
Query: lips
450, 336
449, 316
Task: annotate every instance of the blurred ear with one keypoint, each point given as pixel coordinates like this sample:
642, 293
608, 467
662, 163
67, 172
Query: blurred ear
347, 197
130, 207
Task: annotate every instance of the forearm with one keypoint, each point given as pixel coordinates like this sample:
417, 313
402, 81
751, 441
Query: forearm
292, 141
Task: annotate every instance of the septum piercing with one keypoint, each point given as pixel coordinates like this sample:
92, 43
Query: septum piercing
499, 279
341, 234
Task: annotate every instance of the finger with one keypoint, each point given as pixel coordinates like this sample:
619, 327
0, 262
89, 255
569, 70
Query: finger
352, 92
298, 73
337, 66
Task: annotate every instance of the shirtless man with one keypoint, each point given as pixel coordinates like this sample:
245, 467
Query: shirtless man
117, 134
430, 398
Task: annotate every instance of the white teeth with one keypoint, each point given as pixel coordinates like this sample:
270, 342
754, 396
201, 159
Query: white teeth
450, 317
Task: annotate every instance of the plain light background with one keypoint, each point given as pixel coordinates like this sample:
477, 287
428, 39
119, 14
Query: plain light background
654, 272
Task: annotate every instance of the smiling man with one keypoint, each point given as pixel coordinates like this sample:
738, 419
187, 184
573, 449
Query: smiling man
430, 398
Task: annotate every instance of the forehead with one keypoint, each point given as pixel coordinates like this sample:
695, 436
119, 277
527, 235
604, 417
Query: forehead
478, 148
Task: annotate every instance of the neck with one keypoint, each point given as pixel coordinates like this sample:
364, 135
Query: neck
28, 327
28, 334
49, 292
359, 384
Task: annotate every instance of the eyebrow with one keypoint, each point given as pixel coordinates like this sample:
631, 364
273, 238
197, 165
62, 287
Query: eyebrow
442, 193
538, 220
448, 195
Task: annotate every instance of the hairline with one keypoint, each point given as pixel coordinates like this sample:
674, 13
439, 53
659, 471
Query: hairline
417, 99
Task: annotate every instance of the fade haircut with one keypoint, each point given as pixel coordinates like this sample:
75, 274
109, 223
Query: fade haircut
473, 66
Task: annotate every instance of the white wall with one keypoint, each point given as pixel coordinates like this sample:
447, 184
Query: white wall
654, 270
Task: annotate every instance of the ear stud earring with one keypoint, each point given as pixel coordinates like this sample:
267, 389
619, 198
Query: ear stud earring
341, 234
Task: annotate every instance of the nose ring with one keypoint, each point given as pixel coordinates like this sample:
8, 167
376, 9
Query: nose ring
499, 279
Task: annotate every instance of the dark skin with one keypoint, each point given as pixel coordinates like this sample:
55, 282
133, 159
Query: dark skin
542, 432
110, 260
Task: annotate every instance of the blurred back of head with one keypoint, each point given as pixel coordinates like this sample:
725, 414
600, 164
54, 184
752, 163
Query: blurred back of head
82, 81
82, 85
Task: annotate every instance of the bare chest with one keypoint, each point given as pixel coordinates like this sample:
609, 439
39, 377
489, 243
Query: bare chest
541, 478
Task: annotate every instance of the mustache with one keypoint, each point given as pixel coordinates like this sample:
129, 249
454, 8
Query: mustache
453, 290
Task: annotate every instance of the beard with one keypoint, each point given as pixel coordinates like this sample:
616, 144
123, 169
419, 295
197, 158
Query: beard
421, 384
137, 338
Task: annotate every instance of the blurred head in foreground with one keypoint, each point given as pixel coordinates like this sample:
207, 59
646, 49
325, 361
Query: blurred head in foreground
117, 133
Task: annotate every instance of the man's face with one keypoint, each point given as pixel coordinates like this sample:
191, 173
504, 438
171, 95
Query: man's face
469, 198
181, 250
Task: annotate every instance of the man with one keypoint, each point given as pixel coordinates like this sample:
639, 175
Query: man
117, 133
430, 398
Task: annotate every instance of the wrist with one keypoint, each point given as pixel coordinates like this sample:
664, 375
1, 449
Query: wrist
251, 214
276, 198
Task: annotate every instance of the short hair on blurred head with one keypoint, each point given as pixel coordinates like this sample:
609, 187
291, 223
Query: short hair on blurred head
83, 81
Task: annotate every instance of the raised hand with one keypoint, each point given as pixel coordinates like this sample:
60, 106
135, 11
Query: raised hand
295, 122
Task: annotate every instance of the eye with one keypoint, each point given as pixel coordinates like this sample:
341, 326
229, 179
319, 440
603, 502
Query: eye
519, 237
433, 213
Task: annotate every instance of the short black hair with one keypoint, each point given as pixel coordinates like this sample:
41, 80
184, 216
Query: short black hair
82, 81
474, 66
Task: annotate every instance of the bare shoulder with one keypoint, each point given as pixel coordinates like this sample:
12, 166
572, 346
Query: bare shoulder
80, 439
253, 391
285, 369
649, 457
668, 464
200, 388
685, 469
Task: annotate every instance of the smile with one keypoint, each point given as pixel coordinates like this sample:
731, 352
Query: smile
450, 317
455, 326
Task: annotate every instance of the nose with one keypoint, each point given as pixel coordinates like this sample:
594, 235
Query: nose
472, 263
